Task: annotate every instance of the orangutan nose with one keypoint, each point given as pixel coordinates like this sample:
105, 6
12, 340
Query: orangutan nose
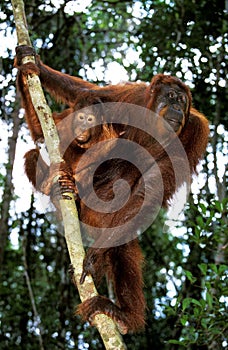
176, 107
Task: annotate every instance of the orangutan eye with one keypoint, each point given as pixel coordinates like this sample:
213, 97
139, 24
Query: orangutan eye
172, 94
181, 98
90, 118
80, 116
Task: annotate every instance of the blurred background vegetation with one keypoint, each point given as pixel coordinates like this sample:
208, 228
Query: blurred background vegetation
186, 262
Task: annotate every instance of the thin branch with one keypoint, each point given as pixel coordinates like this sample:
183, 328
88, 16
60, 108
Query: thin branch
37, 321
8, 187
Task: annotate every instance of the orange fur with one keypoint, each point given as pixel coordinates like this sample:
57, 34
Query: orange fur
121, 263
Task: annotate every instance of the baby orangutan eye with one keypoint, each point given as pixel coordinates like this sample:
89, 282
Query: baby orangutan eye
81, 116
91, 118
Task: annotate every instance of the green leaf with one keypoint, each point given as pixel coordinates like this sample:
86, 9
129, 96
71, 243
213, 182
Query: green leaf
196, 302
219, 206
204, 322
200, 221
209, 299
202, 303
203, 208
214, 268
196, 312
208, 286
189, 276
186, 303
203, 268
209, 220
184, 320
222, 269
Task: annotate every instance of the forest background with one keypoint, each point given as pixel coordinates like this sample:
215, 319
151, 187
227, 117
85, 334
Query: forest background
186, 261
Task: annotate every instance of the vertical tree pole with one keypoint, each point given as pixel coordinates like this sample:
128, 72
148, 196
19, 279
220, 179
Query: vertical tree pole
107, 328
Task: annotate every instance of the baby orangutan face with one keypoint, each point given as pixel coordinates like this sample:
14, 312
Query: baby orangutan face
84, 126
